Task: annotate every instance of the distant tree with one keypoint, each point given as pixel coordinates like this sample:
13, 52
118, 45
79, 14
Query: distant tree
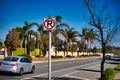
12, 41
116, 50
106, 27
31, 45
73, 48
1, 45
58, 45
32, 33
94, 50
108, 49
21, 32
80, 49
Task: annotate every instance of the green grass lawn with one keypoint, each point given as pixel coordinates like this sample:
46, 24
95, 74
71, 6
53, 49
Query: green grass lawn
117, 68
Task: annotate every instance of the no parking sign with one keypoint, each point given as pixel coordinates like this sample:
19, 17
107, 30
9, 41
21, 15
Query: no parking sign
49, 23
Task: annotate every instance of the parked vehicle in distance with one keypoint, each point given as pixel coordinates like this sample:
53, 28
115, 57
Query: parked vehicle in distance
17, 64
107, 57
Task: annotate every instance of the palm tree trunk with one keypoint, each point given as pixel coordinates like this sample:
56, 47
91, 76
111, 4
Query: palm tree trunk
21, 43
55, 53
67, 48
64, 52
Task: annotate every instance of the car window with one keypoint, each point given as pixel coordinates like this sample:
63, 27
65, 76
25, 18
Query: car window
22, 60
14, 59
25, 60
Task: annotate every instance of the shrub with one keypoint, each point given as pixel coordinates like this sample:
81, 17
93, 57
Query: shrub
57, 56
18, 51
69, 56
109, 74
85, 55
35, 52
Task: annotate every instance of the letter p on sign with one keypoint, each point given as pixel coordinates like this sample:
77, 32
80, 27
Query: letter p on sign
49, 24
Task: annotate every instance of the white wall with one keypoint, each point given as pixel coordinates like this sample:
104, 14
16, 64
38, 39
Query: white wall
61, 53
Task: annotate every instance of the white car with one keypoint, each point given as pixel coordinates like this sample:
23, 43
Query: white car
17, 64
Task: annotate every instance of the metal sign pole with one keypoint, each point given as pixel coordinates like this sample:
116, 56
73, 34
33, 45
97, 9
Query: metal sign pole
49, 25
49, 56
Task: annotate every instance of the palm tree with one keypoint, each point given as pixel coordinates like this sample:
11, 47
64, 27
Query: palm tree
21, 31
25, 32
26, 29
70, 34
44, 43
57, 44
60, 27
84, 37
37, 36
74, 46
81, 45
91, 37
88, 36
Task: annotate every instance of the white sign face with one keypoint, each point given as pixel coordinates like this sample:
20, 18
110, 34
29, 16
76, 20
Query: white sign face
49, 24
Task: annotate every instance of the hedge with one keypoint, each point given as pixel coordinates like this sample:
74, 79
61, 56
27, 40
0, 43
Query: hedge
109, 74
20, 51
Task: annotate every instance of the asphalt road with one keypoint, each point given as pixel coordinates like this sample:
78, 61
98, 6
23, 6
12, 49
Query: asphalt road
60, 69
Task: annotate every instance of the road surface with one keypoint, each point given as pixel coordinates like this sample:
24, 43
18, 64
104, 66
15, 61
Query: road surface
61, 70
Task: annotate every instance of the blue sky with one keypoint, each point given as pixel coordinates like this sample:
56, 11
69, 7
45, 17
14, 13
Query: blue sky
15, 12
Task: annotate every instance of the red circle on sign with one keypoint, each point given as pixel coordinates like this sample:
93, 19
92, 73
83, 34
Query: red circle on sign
52, 26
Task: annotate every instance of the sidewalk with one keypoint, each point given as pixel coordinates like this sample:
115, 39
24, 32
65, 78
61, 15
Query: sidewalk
117, 76
92, 72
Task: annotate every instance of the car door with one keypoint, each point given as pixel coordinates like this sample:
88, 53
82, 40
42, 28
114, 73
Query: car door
24, 64
28, 64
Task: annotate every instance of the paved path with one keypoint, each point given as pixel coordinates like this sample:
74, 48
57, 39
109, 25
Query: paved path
117, 77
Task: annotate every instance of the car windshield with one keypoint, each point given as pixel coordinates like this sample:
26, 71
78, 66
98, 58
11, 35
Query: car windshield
14, 59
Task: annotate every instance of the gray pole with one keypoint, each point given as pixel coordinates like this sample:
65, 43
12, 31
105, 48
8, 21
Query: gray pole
49, 56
